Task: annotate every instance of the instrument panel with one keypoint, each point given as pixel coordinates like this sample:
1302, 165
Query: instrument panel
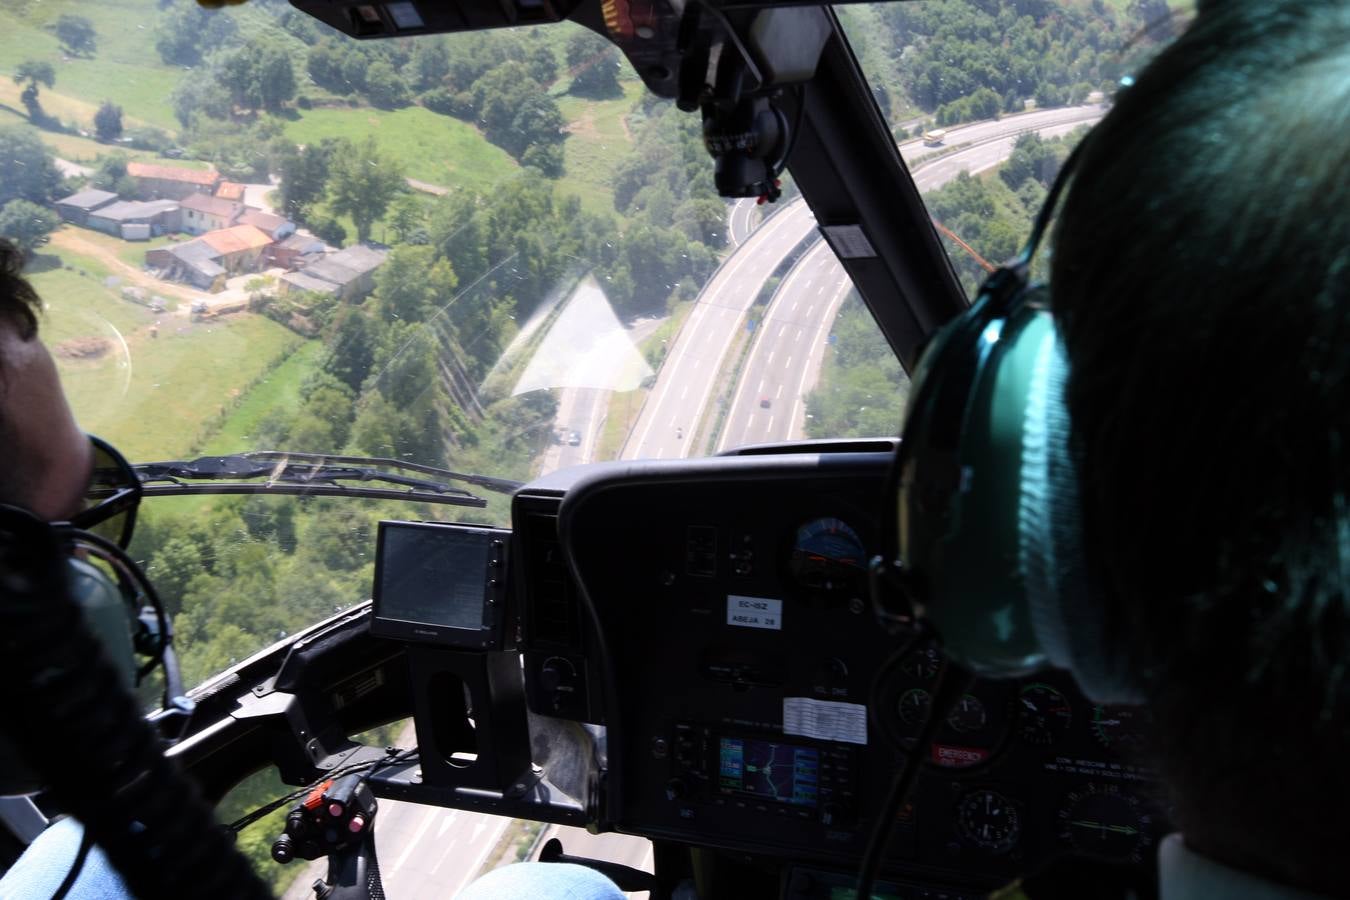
713, 615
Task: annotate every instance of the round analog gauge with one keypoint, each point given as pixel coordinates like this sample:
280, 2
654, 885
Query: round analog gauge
987, 820
828, 555
921, 664
968, 715
1119, 727
914, 705
1106, 822
1044, 714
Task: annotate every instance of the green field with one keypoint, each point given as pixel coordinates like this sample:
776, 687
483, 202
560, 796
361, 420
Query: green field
596, 142
125, 69
433, 148
151, 396
278, 389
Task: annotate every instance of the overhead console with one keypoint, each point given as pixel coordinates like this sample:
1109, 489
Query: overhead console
713, 615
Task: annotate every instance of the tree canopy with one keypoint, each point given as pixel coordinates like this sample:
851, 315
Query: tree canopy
362, 183
108, 121
27, 224
27, 167
77, 35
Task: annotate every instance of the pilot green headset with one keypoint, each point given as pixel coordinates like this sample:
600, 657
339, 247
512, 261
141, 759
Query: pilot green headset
987, 546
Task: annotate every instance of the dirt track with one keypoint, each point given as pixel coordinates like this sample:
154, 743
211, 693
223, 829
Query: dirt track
70, 239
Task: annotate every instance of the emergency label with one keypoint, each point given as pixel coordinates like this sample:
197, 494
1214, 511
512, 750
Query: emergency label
754, 612
825, 720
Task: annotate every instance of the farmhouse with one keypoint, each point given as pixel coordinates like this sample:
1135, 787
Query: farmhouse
203, 213
136, 219
350, 273
77, 207
170, 182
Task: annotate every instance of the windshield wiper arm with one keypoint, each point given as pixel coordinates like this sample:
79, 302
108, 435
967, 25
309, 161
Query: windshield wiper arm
312, 474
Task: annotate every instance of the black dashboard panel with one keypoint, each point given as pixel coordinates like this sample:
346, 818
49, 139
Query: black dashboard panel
730, 598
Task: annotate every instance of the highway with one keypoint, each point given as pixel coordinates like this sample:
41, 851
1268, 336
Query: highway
785, 358
685, 385
428, 852
674, 421
789, 347
745, 215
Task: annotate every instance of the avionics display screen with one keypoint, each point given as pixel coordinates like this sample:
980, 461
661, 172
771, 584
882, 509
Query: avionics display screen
433, 581
783, 773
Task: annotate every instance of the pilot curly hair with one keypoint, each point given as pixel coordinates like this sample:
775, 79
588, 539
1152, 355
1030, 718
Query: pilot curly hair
19, 303
1201, 283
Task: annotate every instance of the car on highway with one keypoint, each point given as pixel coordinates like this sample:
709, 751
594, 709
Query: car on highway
574, 438
765, 403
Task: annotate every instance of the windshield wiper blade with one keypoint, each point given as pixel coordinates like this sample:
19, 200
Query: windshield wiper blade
314, 474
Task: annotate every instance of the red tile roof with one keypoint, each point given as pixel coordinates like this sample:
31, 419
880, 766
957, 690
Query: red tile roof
172, 173
232, 240
230, 190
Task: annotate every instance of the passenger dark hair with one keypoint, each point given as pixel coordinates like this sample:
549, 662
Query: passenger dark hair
19, 303
1201, 282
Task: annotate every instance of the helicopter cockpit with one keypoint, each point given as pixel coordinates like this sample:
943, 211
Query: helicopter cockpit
659, 620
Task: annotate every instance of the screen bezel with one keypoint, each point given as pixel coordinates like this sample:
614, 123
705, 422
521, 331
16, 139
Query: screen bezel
488, 635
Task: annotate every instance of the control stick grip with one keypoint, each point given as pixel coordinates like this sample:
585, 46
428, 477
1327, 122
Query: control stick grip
353, 873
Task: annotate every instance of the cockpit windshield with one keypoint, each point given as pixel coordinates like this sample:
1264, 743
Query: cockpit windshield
490, 254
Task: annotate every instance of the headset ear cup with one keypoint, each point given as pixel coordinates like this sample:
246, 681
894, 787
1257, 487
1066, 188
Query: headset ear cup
1066, 605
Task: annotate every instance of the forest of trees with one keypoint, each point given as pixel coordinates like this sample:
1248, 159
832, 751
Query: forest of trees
963, 60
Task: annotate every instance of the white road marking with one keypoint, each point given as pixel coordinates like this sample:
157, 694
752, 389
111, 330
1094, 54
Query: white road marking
431, 814
726, 281
769, 428
779, 393
788, 364
447, 853
761, 387
685, 393
781, 329
770, 356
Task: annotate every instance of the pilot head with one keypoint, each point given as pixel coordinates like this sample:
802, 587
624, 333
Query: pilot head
1200, 284
47, 458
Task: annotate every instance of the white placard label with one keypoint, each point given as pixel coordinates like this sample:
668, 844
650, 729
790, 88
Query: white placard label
825, 720
754, 612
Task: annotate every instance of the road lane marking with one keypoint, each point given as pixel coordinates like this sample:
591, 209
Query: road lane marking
827, 320
722, 282
488, 845
770, 356
684, 393
768, 429
779, 394
417, 836
761, 387
446, 854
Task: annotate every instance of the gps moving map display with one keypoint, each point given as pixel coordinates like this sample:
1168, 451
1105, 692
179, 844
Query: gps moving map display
779, 772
